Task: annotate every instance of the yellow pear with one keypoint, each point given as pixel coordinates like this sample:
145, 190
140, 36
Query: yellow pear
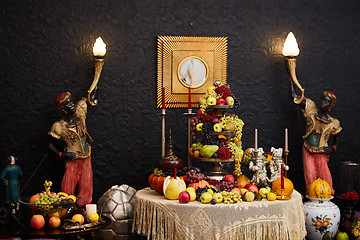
192, 195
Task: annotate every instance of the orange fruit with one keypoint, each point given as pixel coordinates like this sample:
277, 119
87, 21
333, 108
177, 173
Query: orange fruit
78, 218
288, 186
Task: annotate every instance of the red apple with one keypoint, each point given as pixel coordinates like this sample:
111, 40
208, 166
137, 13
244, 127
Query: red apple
220, 101
229, 100
32, 201
237, 190
184, 197
37, 222
191, 153
251, 187
54, 222
229, 178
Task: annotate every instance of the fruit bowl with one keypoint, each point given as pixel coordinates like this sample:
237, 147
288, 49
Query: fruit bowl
47, 209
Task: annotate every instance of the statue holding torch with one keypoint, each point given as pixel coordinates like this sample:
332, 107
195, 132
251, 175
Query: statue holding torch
320, 126
72, 131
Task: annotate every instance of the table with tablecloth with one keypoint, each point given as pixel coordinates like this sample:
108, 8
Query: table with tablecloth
159, 218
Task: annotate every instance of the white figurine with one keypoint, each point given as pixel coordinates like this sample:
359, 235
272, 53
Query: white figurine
259, 168
275, 164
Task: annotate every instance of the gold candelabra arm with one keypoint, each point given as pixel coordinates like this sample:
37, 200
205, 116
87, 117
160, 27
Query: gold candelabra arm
99, 63
291, 65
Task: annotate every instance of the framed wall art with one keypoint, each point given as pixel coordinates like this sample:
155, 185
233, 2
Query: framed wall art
184, 62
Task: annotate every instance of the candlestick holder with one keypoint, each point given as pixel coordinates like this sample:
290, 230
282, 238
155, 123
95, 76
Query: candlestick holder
283, 196
286, 153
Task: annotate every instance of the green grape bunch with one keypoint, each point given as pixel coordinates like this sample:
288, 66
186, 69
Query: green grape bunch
48, 202
231, 197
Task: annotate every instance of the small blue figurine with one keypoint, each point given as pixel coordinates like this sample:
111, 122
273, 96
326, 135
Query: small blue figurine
10, 176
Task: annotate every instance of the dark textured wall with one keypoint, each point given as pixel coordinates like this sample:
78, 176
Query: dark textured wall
46, 48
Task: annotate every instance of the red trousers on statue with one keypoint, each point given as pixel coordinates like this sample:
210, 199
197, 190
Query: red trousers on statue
316, 166
79, 172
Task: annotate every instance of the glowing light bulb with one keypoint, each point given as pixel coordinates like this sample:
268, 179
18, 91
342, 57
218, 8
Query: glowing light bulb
99, 48
290, 48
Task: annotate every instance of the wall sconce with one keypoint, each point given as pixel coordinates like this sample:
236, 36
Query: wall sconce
99, 51
290, 51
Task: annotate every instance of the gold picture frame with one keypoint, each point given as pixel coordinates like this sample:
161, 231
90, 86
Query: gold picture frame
178, 56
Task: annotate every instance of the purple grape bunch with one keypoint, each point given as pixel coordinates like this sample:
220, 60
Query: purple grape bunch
193, 176
228, 186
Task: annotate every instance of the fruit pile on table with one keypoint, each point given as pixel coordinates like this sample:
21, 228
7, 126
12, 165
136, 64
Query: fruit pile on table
194, 186
55, 209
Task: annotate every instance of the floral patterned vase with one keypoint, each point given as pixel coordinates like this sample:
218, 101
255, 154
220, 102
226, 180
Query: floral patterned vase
321, 216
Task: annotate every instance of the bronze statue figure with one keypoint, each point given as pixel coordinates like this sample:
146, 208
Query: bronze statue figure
320, 126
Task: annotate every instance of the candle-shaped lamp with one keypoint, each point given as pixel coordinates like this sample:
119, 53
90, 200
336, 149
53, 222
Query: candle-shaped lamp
163, 98
282, 176
99, 51
290, 51
291, 48
163, 128
256, 140
286, 140
189, 100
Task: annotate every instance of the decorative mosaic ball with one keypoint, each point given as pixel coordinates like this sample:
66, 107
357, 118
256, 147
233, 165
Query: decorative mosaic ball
117, 203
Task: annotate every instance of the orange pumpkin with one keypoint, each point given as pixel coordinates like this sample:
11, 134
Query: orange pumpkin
157, 183
200, 184
319, 189
242, 180
288, 186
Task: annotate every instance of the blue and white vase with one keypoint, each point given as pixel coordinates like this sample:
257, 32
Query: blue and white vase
321, 216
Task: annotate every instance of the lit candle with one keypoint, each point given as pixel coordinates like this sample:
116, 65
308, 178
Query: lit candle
256, 139
189, 101
286, 140
99, 49
282, 176
90, 208
163, 98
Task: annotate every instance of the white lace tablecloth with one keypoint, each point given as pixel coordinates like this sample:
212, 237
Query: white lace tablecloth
160, 218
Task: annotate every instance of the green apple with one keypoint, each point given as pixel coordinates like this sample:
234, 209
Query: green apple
217, 127
211, 101
243, 191
210, 191
206, 197
199, 127
218, 197
190, 189
207, 151
342, 236
202, 101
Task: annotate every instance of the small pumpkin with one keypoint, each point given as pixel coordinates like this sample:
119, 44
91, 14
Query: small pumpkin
200, 184
319, 189
288, 186
157, 182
